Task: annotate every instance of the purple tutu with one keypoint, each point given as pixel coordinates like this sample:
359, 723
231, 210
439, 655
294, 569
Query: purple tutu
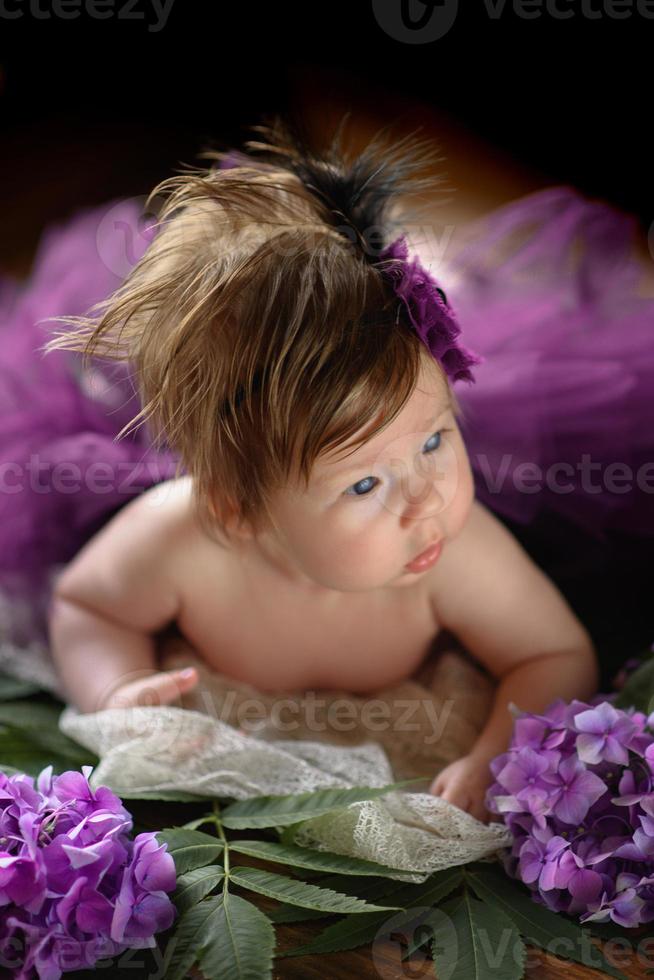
62, 475
545, 289
561, 417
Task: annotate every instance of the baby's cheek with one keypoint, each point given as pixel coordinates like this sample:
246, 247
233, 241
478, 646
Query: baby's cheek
463, 491
361, 560
359, 546
358, 552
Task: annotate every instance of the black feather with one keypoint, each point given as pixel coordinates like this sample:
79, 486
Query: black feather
355, 194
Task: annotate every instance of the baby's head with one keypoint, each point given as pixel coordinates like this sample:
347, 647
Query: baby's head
369, 507
272, 356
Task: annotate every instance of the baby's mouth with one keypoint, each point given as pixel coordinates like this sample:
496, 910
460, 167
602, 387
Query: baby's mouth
426, 558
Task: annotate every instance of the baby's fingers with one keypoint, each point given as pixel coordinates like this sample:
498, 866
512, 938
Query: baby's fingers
155, 690
174, 683
455, 795
438, 784
445, 786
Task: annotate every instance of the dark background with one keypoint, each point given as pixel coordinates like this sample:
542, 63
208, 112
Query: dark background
93, 108
568, 98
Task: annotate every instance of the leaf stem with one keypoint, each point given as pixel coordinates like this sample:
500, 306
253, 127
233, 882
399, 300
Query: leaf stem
221, 833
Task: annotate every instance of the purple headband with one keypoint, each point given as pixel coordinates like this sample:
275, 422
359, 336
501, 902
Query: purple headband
429, 312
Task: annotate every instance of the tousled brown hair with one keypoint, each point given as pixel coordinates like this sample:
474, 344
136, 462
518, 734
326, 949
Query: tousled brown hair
261, 334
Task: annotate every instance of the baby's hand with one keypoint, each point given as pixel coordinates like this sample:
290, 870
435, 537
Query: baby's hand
464, 783
161, 687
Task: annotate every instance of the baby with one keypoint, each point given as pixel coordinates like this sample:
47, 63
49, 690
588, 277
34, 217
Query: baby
326, 528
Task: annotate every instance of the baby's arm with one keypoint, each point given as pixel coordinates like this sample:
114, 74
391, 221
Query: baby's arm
512, 618
108, 602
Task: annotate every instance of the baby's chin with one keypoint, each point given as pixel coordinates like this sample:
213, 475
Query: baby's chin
401, 580
406, 580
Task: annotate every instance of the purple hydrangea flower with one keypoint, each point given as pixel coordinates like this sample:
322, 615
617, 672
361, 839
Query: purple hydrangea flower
576, 788
74, 886
604, 730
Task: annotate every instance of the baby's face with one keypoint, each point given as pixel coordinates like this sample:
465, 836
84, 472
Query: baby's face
365, 515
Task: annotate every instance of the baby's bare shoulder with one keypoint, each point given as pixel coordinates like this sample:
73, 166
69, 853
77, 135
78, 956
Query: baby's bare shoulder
170, 513
145, 528
481, 529
485, 558
195, 555
490, 593
133, 567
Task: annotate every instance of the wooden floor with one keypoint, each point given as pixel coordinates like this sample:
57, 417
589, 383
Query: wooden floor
87, 168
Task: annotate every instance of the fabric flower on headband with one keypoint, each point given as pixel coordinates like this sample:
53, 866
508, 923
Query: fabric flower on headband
428, 310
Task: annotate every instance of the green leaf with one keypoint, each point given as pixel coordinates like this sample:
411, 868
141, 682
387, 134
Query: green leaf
194, 930
11, 770
239, 943
354, 931
429, 892
13, 687
423, 932
349, 933
30, 752
475, 941
364, 888
638, 688
166, 795
195, 885
287, 834
294, 913
300, 893
194, 824
539, 925
279, 810
18, 753
30, 714
306, 857
30, 734
611, 930
190, 849
228, 936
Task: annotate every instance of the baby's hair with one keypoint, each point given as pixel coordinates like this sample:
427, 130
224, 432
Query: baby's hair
260, 331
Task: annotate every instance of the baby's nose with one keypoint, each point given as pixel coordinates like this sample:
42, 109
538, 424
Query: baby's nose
423, 488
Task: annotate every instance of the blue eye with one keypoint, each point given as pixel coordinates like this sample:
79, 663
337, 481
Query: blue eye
365, 483
361, 483
438, 436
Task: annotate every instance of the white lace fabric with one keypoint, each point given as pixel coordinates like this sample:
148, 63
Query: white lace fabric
207, 748
213, 746
168, 748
